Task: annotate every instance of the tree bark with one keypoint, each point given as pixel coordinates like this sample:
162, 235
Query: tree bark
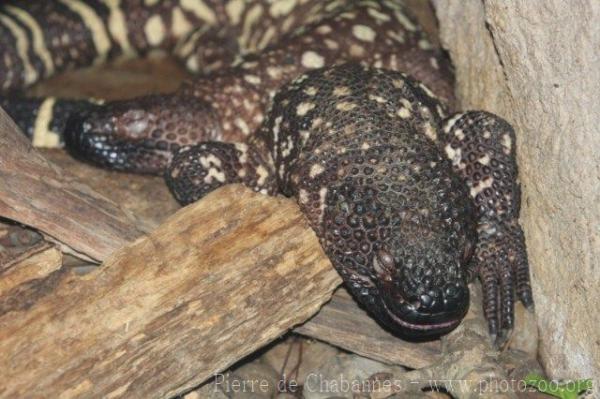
216, 281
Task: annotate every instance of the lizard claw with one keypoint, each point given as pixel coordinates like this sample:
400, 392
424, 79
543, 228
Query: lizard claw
504, 273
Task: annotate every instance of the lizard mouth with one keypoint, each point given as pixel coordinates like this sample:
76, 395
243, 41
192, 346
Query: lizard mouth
432, 328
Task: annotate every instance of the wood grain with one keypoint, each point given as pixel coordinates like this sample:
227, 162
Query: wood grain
39, 194
216, 281
36, 263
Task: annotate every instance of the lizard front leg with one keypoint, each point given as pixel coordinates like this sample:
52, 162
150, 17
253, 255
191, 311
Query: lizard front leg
481, 147
197, 170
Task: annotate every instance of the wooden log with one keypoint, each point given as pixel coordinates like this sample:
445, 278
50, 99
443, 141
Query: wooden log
216, 281
342, 323
37, 193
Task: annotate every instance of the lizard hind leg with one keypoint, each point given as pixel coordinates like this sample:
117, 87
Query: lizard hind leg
481, 147
197, 170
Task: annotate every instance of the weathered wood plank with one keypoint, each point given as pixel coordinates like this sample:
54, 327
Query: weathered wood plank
37, 193
216, 281
36, 263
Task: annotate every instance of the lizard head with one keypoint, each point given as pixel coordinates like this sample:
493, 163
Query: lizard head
422, 282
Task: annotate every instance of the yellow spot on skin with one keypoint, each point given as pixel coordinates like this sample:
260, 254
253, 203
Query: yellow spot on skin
242, 125
288, 146
200, 9
192, 64
303, 108
315, 170
378, 14
303, 197
39, 45
322, 196
482, 185
424, 44
323, 29
378, 99
243, 149
234, 9
450, 123
398, 83
459, 134
310, 59
274, 72
403, 113
331, 44
484, 160
252, 79
316, 123
94, 24
427, 91
250, 64
406, 103
403, 19
151, 3
506, 143
365, 146
311, 91
434, 63
304, 135
287, 23
345, 106
179, 23
454, 155
341, 91
212, 164
265, 40
282, 7
214, 174
397, 36
42, 135
430, 131
276, 128
263, 174
154, 30
357, 51
363, 33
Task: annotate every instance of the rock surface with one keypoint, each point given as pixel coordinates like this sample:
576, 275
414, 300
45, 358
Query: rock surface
537, 65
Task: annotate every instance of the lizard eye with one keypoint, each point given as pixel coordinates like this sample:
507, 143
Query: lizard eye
383, 263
